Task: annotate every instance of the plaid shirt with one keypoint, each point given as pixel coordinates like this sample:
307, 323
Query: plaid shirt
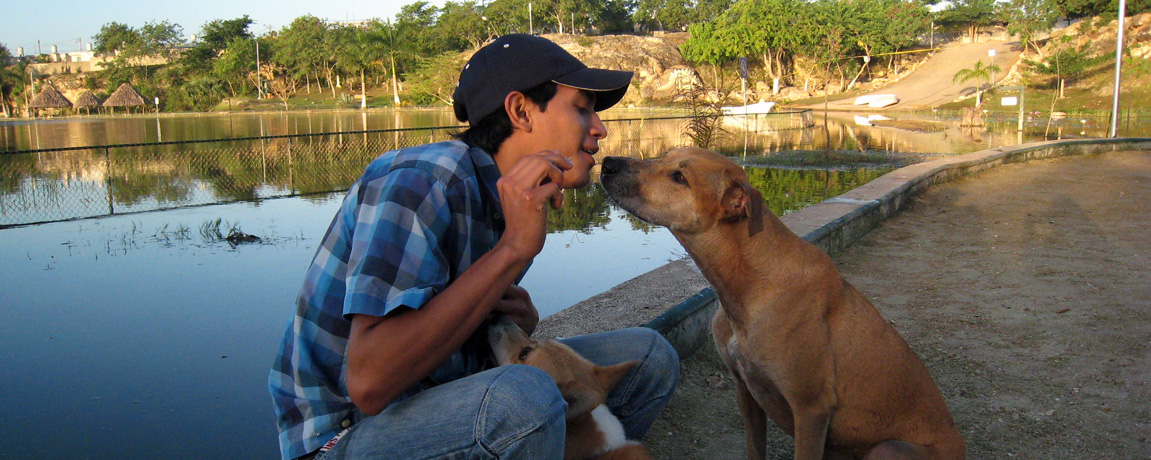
414, 221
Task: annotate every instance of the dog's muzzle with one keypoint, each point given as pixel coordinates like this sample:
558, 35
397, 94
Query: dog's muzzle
613, 176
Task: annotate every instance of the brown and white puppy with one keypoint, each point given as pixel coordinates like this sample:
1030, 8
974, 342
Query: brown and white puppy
593, 432
807, 350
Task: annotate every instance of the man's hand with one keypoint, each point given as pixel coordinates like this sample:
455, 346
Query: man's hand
524, 191
517, 305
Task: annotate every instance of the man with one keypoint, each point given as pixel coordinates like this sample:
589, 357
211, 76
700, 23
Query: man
428, 243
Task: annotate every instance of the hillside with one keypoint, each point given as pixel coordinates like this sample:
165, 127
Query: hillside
1094, 89
659, 65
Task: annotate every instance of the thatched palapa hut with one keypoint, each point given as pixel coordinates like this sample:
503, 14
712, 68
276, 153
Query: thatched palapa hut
49, 98
86, 101
124, 96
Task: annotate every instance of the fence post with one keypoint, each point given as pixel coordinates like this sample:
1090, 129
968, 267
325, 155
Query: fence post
108, 180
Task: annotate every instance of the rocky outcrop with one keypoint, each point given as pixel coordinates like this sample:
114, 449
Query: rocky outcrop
656, 61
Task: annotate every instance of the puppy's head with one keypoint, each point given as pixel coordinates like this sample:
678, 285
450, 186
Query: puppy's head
583, 384
688, 190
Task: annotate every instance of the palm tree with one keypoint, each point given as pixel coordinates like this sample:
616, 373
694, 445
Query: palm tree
363, 49
11, 79
976, 72
396, 40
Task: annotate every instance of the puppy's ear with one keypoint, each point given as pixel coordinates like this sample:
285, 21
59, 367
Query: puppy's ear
608, 376
581, 399
744, 201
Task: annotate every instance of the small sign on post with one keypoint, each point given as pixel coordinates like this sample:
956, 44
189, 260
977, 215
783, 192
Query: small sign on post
1009, 101
1022, 94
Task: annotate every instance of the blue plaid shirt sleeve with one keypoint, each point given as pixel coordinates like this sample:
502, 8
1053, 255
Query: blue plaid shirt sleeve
397, 258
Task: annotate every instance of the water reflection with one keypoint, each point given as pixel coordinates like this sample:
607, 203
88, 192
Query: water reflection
843, 131
59, 185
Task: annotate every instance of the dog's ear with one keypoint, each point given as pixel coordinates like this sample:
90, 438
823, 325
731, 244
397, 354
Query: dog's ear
608, 376
581, 399
744, 201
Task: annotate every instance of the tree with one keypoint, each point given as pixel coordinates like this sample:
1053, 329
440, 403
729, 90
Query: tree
461, 26
235, 63
417, 21
436, 77
113, 37
567, 12
673, 15
1075, 9
11, 80
363, 48
976, 72
968, 14
157, 37
882, 27
215, 36
763, 28
132, 46
301, 45
1066, 62
507, 16
615, 17
394, 40
1027, 18
281, 82
201, 93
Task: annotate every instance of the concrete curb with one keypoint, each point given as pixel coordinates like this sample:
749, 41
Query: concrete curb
838, 222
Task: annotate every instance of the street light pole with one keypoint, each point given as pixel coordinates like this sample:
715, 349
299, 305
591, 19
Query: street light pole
1118, 69
259, 88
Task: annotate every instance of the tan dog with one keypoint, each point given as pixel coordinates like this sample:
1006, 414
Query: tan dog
806, 349
593, 432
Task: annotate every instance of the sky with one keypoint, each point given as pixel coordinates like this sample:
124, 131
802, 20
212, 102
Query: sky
63, 22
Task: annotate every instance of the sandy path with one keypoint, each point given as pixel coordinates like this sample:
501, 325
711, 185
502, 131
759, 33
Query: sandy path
930, 85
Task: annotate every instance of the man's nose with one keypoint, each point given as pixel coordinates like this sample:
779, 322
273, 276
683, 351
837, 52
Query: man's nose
598, 130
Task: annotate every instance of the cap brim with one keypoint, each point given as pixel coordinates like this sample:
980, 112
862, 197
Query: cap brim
609, 85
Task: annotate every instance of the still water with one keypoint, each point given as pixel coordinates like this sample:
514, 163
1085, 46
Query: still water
144, 335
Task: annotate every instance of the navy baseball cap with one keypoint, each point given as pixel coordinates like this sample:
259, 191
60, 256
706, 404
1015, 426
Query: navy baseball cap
519, 62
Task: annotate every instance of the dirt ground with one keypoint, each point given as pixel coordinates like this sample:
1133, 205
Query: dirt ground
1027, 292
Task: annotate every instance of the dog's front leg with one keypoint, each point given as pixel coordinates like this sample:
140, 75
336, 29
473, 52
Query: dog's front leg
754, 421
811, 432
754, 417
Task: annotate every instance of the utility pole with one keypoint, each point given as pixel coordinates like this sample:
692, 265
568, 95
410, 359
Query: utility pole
1118, 69
259, 87
531, 28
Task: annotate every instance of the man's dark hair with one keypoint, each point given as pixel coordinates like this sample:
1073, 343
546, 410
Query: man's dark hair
493, 129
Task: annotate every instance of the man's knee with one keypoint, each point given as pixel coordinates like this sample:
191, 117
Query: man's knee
522, 411
660, 369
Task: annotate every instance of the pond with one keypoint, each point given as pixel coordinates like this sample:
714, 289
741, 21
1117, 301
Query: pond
145, 334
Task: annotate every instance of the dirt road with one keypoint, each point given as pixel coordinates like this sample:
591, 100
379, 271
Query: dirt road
1025, 291
930, 85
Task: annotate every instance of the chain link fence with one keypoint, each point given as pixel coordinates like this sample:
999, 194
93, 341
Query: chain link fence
40, 186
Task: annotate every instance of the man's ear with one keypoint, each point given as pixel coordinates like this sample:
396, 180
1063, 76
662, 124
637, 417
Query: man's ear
741, 201
517, 106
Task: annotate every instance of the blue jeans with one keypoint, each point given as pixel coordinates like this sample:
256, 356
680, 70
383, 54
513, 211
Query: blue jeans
516, 411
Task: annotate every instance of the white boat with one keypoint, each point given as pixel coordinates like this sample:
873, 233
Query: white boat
865, 120
877, 100
758, 107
